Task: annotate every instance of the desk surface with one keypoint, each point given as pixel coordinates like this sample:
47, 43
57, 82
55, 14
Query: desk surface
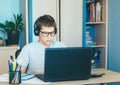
109, 77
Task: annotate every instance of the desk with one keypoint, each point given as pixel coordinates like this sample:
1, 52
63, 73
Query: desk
109, 77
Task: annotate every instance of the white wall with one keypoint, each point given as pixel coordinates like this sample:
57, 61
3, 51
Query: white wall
41, 7
71, 22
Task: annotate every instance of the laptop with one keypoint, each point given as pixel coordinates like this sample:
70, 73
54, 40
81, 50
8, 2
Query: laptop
66, 64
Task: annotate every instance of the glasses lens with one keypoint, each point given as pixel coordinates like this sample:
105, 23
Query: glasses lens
45, 34
52, 34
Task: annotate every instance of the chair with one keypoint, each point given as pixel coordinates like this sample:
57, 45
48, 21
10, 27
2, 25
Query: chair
17, 53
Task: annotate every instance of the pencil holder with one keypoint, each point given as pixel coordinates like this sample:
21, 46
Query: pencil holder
14, 77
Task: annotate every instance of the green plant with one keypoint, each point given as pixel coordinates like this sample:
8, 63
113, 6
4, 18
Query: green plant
13, 25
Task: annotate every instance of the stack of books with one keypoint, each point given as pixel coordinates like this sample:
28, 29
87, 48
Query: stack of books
90, 41
94, 11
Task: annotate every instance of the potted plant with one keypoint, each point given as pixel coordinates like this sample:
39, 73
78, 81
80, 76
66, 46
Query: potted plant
3, 37
13, 29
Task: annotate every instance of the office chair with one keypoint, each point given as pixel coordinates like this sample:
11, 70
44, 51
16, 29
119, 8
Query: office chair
17, 53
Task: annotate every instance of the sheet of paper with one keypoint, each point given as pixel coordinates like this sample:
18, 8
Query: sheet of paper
35, 81
4, 78
29, 78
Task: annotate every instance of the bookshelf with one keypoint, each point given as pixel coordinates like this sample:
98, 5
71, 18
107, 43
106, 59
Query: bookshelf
95, 32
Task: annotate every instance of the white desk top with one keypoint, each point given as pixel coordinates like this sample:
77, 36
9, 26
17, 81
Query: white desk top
109, 77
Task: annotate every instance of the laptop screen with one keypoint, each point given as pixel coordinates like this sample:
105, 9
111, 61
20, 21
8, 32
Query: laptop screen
69, 63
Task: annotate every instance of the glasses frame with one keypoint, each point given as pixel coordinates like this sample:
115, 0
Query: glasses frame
46, 34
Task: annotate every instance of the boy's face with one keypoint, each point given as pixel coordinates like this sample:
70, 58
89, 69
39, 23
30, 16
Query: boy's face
46, 35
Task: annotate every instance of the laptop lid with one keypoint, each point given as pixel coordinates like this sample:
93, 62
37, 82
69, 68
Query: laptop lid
71, 63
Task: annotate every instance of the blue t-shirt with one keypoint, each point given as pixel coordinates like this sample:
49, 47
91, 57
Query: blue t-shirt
32, 56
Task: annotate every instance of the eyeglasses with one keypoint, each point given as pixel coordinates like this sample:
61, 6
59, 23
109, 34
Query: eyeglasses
46, 34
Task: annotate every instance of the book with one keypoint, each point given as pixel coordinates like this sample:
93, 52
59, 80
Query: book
98, 12
90, 41
87, 13
92, 12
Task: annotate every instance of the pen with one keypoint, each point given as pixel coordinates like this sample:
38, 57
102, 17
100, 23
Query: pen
14, 65
8, 65
11, 66
11, 57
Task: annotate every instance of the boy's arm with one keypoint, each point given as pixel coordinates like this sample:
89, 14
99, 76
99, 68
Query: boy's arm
23, 70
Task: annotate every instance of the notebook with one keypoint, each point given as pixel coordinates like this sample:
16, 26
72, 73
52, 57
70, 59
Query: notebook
64, 64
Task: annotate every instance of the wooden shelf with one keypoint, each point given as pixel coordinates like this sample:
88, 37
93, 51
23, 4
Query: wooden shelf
94, 23
97, 46
9, 47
